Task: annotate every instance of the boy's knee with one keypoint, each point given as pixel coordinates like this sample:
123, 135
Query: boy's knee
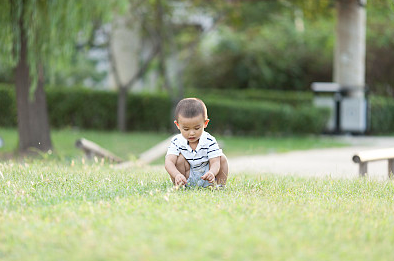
223, 160
182, 165
181, 161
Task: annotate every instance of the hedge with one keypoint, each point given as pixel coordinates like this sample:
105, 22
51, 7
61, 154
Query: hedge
90, 109
294, 98
382, 115
256, 118
7, 107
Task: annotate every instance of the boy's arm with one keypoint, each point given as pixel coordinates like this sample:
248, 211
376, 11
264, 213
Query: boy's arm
169, 165
214, 167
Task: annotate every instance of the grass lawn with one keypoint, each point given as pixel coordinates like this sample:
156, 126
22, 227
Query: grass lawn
58, 211
130, 145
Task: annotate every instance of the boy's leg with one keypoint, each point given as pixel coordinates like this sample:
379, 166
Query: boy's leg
221, 177
182, 166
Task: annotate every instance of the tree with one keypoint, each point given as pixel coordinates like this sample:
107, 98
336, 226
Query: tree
38, 37
153, 22
136, 18
349, 60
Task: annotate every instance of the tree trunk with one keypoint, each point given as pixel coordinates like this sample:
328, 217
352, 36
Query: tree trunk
349, 58
161, 37
33, 125
122, 107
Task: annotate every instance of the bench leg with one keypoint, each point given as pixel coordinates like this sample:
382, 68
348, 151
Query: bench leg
391, 168
363, 169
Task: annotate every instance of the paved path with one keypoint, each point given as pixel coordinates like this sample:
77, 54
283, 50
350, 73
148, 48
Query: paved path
333, 162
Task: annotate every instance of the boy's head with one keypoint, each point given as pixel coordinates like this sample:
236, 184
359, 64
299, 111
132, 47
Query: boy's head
190, 108
191, 118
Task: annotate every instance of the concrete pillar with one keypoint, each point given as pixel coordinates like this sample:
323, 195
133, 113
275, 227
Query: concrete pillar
349, 57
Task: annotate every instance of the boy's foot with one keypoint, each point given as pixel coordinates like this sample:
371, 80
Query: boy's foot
220, 187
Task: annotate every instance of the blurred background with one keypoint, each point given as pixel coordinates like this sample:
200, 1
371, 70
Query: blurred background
122, 65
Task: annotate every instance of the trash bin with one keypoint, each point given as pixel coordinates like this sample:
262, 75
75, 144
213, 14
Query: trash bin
348, 114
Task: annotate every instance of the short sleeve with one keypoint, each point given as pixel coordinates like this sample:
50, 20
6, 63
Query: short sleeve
213, 149
173, 149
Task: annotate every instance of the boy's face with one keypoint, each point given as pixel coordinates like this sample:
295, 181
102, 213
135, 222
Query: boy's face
191, 128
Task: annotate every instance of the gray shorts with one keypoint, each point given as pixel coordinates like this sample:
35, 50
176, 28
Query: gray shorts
195, 177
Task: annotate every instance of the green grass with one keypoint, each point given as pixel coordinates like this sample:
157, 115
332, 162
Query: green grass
53, 211
130, 145
235, 146
125, 145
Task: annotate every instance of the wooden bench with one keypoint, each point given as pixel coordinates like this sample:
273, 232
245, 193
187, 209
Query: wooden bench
91, 150
364, 157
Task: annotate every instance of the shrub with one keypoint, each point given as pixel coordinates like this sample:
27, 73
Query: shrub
294, 98
382, 115
88, 109
149, 112
82, 107
7, 106
257, 118
270, 56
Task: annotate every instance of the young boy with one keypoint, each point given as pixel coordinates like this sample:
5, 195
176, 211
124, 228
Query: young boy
194, 157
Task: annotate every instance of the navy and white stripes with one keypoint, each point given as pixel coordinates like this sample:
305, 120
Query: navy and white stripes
207, 149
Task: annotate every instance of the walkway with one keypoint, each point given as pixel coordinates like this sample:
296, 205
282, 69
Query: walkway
333, 162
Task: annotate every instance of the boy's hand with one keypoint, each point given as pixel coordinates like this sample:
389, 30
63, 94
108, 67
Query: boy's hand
180, 180
209, 176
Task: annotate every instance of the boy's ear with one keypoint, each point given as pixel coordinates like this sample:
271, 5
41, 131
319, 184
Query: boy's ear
206, 123
177, 125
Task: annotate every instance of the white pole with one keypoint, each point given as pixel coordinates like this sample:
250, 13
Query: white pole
349, 56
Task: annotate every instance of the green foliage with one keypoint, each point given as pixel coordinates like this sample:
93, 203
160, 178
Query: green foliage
264, 57
149, 112
81, 72
90, 109
313, 9
258, 118
252, 112
50, 211
260, 46
7, 106
382, 115
294, 98
6, 74
380, 43
82, 108
52, 29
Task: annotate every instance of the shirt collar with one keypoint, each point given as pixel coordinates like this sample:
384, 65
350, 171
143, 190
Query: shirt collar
202, 141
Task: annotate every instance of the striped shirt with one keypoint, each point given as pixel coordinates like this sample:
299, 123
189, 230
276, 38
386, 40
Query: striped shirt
207, 149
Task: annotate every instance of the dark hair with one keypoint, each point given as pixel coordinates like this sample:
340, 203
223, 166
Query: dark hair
191, 107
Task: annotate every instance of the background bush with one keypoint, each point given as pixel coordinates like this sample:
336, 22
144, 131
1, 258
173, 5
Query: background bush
269, 51
88, 109
7, 106
294, 98
248, 112
382, 115
265, 57
246, 117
